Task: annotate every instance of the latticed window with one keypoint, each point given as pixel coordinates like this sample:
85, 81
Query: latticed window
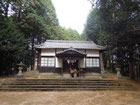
92, 62
47, 61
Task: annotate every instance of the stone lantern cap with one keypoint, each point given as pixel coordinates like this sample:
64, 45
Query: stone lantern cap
21, 64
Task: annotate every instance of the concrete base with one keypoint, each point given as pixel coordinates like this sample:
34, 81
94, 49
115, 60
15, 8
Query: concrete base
49, 75
67, 75
20, 76
33, 73
103, 74
92, 75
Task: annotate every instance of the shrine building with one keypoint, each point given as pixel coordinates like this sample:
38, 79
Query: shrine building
64, 57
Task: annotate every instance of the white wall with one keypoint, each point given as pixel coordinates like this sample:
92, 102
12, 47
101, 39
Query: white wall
58, 50
92, 53
48, 52
58, 62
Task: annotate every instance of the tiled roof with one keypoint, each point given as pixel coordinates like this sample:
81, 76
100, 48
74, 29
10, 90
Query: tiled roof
69, 44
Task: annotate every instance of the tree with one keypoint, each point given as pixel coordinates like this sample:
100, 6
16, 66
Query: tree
116, 25
4, 7
36, 20
63, 33
12, 45
31, 20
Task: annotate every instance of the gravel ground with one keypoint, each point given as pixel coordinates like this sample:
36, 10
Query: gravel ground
71, 98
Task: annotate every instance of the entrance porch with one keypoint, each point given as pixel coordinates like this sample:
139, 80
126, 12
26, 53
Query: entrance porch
70, 62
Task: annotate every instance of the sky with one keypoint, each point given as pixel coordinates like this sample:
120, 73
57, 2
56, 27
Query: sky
72, 13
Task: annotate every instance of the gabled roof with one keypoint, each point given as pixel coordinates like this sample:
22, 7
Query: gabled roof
65, 44
71, 52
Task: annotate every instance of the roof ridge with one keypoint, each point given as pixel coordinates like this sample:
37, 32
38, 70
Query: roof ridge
69, 41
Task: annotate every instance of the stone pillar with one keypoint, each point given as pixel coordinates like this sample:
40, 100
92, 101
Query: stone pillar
75, 75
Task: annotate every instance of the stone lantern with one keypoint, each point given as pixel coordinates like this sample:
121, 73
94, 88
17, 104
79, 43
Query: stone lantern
118, 73
20, 74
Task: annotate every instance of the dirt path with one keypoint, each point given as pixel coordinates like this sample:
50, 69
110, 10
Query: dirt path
71, 98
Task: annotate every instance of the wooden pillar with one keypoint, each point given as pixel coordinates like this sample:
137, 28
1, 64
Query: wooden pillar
39, 60
62, 68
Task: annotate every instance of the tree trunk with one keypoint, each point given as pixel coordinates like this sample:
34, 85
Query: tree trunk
112, 64
131, 66
131, 69
33, 55
15, 66
6, 9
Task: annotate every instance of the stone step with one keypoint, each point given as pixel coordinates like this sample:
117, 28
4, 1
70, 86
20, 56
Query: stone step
107, 84
67, 80
64, 84
92, 75
65, 89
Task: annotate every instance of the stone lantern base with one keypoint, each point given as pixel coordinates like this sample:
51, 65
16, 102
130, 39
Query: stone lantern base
20, 75
118, 73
